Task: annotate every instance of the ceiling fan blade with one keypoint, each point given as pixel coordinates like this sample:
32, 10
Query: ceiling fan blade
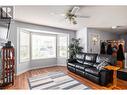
75, 10
62, 15
120, 27
79, 16
58, 14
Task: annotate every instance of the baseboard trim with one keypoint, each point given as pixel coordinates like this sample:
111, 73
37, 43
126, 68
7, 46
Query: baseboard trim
61, 64
43, 67
34, 69
21, 72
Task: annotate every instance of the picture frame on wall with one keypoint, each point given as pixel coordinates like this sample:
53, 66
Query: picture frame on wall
94, 43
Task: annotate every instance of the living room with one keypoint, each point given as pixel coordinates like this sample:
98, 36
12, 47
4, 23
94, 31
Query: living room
43, 39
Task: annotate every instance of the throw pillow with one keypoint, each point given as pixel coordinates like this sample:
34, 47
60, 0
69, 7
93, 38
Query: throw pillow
102, 64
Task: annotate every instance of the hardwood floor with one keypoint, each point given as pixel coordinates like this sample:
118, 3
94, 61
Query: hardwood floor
21, 81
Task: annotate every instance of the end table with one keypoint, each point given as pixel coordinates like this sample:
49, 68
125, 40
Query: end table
114, 68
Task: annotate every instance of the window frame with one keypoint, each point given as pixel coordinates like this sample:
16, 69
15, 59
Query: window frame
67, 43
27, 59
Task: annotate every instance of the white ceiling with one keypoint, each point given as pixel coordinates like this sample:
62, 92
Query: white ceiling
103, 17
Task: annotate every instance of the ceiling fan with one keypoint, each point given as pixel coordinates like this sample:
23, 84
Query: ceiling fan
71, 15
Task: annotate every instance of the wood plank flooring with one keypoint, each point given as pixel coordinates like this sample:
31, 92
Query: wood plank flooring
21, 81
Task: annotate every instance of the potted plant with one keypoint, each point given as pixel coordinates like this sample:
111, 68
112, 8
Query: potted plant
74, 48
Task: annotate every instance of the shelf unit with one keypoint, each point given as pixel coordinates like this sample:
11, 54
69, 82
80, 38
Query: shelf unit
8, 66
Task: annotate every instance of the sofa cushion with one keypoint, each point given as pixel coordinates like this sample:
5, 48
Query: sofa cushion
70, 68
87, 66
93, 71
90, 58
95, 65
93, 78
80, 61
107, 58
80, 72
72, 64
81, 67
101, 65
88, 63
80, 57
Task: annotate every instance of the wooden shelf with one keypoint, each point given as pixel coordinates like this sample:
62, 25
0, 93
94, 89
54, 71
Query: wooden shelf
8, 66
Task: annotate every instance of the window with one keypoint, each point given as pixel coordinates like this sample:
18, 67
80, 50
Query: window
43, 46
36, 46
24, 46
63, 46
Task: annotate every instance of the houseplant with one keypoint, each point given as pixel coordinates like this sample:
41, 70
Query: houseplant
74, 48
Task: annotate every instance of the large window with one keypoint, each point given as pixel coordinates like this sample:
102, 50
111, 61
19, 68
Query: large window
43, 46
24, 46
36, 46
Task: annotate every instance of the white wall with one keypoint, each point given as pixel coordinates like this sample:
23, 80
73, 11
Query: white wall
33, 64
82, 34
104, 35
85, 33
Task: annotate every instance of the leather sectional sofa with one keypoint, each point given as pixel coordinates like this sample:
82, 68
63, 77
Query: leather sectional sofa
85, 65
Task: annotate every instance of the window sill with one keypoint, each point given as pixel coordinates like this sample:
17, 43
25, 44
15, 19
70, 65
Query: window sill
43, 58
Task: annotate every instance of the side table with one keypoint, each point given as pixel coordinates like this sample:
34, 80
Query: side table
114, 68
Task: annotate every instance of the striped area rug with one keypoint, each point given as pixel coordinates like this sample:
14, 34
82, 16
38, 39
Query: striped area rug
55, 81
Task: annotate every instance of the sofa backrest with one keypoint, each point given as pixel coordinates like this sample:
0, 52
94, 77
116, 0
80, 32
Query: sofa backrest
107, 58
95, 59
90, 57
80, 57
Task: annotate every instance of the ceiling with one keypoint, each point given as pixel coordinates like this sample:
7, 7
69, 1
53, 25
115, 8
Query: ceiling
102, 17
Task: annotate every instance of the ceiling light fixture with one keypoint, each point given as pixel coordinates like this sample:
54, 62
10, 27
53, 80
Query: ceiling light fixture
71, 18
72, 15
114, 27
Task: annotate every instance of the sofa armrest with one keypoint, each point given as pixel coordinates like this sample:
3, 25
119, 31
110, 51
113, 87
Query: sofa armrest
71, 60
106, 77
